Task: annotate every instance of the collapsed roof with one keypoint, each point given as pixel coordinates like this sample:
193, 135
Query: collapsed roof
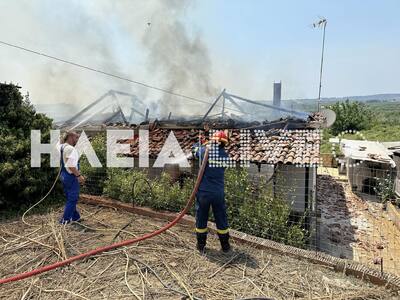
244, 115
272, 146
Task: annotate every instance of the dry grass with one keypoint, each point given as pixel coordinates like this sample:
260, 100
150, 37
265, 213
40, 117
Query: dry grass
165, 267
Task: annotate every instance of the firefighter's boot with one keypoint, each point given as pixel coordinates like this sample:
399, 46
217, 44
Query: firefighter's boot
201, 241
224, 240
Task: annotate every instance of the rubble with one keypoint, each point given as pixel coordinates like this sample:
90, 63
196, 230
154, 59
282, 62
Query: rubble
355, 228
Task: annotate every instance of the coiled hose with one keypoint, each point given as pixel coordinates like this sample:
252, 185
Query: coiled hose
119, 244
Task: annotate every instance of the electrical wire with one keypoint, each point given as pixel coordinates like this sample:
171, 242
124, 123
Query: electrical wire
108, 74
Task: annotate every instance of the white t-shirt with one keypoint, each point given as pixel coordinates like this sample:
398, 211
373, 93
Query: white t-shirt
70, 156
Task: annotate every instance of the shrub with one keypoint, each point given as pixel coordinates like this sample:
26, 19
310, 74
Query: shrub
20, 184
237, 192
351, 116
269, 217
251, 208
95, 177
134, 186
385, 188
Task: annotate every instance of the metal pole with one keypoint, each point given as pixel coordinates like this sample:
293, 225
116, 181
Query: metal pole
212, 106
322, 63
223, 106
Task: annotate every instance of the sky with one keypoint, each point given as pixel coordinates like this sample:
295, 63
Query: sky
273, 40
197, 48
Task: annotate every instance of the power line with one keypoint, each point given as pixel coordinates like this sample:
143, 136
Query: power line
106, 73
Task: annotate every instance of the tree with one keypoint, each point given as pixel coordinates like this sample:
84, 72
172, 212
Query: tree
351, 116
19, 183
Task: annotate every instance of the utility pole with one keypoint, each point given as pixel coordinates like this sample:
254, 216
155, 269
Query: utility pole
321, 23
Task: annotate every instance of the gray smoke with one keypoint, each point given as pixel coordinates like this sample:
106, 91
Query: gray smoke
183, 61
143, 40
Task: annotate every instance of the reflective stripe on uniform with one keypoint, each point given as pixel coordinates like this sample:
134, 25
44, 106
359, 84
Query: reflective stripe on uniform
201, 230
223, 231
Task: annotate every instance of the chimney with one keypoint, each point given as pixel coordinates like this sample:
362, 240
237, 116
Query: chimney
277, 93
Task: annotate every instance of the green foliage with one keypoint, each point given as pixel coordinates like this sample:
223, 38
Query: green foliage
134, 186
387, 125
19, 183
385, 188
237, 191
383, 132
168, 195
387, 113
128, 185
251, 208
351, 116
95, 177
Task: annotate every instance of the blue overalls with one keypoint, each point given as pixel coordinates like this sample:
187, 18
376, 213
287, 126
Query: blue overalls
71, 189
211, 190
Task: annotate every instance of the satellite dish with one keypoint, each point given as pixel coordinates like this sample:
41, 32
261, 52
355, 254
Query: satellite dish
329, 116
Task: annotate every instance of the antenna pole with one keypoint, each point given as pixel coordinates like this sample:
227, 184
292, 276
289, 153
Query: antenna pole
323, 22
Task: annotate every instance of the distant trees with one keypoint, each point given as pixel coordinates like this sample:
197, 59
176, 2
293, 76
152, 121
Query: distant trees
19, 183
351, 116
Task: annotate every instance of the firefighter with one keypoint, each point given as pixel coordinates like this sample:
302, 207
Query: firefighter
211, 191
70, 176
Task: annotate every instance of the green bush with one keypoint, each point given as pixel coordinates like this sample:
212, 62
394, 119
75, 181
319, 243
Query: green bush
95, 177
385, 188
351, 116
134, 186
127, 185
251, 208
268, 216
21, 185
168, 195
237, 192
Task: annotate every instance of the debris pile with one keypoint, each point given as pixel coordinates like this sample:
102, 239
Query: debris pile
354, 228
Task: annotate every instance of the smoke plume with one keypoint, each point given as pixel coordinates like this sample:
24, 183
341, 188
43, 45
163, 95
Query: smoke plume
144, 40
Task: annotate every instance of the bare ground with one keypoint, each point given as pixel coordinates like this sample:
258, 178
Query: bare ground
165, 267
355, 228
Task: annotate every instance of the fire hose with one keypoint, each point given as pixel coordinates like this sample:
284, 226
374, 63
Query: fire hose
119, 244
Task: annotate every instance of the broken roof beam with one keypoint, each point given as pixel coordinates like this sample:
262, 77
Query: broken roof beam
134, 97
234, 103
81, 112
118, 112
294, 112
212, 106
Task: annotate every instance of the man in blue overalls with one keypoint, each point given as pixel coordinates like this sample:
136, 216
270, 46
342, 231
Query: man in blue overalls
70, 177
211, 192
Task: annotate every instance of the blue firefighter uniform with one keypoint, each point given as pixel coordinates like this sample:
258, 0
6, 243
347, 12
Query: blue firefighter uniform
211, 193
71, 189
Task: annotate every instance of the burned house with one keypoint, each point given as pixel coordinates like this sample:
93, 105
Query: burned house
283, 155
283, 152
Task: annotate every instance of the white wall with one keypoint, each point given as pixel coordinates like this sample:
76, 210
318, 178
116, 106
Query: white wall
290, 183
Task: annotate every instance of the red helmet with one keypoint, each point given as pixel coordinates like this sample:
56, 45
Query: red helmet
221, 137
